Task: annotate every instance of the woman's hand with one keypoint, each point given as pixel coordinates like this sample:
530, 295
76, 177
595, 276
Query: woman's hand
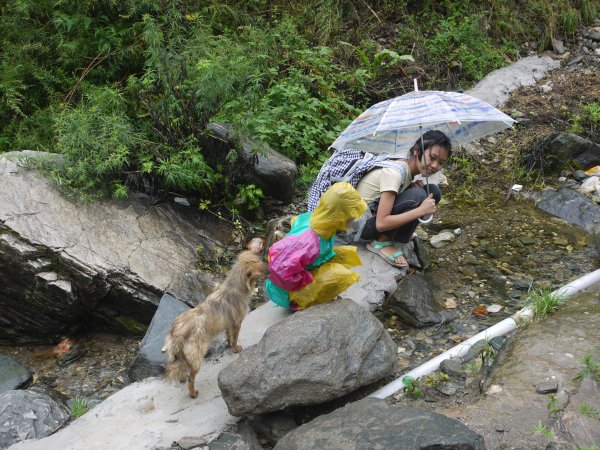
428, 206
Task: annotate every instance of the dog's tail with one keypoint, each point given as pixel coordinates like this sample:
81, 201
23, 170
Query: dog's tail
177, 367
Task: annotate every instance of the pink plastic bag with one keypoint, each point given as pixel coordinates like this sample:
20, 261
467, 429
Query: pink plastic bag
289, 257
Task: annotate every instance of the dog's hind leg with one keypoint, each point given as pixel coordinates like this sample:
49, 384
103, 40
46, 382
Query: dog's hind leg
191, 387
194, 357
232, 337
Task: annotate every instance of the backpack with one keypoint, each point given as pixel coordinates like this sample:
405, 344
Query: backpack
345, 165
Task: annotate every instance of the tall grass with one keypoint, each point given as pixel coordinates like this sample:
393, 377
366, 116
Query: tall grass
543, 302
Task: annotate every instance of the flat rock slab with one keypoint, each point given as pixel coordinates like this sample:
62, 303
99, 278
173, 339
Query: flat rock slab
550, 350
63, 260
497, 86
154, 413
377, 280
150, 360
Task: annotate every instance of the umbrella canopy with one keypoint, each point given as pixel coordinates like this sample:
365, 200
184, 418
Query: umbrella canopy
393, 126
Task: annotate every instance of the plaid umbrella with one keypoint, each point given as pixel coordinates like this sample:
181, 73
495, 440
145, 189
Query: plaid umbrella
394, 125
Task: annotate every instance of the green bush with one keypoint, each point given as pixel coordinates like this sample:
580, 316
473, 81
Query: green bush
301, 112
97, 142
586, 122
126, 89
464, 41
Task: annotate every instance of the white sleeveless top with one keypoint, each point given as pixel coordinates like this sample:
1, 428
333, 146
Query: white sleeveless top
384, 179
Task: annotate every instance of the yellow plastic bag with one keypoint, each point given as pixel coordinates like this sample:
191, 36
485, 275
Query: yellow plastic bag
346, 255
340, 203
330, 280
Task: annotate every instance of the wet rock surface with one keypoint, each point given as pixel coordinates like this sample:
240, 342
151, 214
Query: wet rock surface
150, 359
29, 414
373, 423
12, 374
533, 249
100, 372
551, 350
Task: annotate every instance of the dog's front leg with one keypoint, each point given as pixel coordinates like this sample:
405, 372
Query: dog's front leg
232, 337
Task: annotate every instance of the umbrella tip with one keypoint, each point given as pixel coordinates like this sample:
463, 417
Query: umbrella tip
416, 85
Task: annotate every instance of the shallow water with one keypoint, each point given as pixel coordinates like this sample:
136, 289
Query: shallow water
488, 264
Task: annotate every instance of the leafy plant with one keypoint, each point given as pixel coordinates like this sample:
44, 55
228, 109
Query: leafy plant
97, 141
249, 197
488, 351
472, 369
463, 170
590, 369
462, 39
553, 405
589, 411
569, 19
434, 379
412, 386
586, 122
381, 60
589, 9
543, 429
187, 170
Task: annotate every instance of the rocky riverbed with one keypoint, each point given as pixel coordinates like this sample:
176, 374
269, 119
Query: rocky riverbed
503, 247
497, 257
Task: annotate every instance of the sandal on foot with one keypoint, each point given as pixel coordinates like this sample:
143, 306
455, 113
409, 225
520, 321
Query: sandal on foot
376, 246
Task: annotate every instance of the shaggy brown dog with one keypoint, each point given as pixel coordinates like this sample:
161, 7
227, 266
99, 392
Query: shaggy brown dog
223, 310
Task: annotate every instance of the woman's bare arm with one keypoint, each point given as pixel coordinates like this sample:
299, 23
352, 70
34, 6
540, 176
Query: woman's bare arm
385, 221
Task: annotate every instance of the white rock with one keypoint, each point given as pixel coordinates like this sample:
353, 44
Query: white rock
590, 184
494, 308
494, 389
439, 240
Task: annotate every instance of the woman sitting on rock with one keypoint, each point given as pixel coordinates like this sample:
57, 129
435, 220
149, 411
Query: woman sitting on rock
396, 202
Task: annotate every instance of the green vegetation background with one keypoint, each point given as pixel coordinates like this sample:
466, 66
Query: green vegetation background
124, 90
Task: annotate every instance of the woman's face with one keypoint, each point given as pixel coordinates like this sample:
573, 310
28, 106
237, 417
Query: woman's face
435, 158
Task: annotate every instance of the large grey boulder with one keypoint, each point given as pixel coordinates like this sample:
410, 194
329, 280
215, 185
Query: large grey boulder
311, 357
29, 414
560, 150
269, 170
374, 424
414, 304
63, 263
571, 206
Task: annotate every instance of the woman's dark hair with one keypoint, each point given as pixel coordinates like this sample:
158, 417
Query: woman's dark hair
431, 138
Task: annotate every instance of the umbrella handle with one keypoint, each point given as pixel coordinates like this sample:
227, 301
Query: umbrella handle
426, 220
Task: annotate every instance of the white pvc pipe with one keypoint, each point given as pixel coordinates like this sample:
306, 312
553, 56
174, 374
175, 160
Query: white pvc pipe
500, 329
